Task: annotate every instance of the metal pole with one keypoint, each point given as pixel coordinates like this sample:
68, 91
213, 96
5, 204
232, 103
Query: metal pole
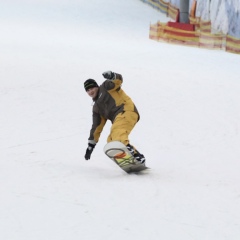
184, 11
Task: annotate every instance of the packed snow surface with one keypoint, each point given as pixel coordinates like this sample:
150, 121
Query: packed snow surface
189, 129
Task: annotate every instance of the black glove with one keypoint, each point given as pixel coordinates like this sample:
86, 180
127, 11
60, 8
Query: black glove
89, 150
108, 75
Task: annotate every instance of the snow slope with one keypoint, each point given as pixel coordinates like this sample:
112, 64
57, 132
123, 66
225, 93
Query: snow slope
189, 129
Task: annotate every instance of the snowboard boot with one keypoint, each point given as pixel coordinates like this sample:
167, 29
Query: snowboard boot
137, 155
130, 149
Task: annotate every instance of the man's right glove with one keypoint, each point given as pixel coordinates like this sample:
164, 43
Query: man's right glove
89, 151
108, 75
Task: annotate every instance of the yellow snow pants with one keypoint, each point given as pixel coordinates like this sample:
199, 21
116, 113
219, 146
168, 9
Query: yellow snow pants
122, 126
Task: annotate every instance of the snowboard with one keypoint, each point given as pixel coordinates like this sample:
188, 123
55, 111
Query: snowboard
119, 153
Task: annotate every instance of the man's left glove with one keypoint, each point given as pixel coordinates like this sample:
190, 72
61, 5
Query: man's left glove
89, 151
108, 75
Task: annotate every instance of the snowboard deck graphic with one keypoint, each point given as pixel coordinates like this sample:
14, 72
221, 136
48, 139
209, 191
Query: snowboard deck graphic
119, 153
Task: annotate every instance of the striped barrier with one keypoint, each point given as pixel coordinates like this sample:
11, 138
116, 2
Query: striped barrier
200, 36
162, 32
232, 44
195, 21
212, 41
173, 13
158, 4
205, 26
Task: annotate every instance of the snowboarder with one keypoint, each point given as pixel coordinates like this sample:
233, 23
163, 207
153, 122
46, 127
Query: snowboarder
110, 102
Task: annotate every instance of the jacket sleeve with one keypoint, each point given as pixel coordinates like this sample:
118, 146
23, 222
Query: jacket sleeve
97, 127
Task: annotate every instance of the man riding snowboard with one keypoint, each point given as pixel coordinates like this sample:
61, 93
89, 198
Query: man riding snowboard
111, 103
